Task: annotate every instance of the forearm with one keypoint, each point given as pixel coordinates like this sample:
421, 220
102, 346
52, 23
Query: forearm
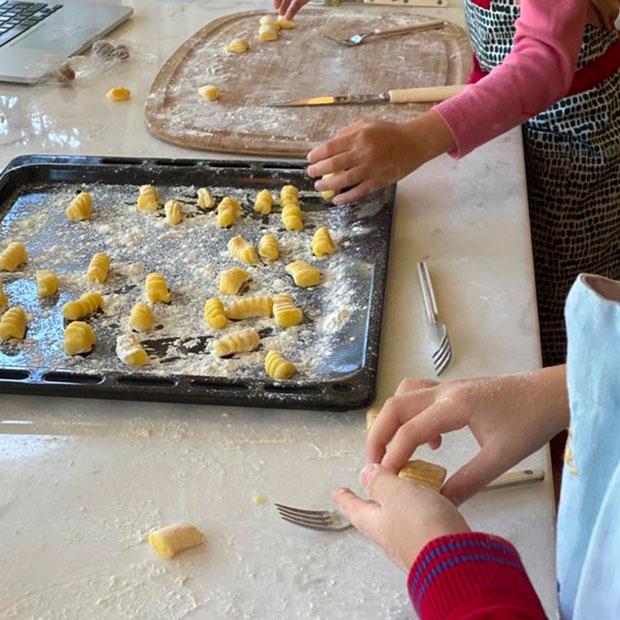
472, 576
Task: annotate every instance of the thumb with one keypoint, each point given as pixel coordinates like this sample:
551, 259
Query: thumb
380, 483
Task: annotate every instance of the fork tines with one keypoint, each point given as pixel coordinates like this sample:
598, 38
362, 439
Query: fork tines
313, 519
443, 355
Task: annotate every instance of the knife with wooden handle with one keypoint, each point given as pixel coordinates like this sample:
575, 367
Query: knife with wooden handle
428, 94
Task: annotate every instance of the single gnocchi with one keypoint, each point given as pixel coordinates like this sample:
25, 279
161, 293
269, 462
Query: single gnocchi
249, 308
130, 351
303, 274
87, 304
322, 242
170, 540
214, 314
47, 283
242, 250
156, 288
268, 20
118, 93
291, 210
81, 207
148, 199
278, 367
13, 256
174, 212
13, 324
141, 318
98, 268
263, 202
79, 338
228, 212
424, 473
285, 312
238, 46
267, 33
233, 280
205, 198
285, 24
243, 341
3, 298
268, 247
328, 194
210, 92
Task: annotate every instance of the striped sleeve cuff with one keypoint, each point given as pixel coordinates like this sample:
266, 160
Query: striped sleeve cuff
471, 575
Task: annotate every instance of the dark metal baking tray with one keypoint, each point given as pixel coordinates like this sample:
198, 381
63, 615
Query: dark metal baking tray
350, 379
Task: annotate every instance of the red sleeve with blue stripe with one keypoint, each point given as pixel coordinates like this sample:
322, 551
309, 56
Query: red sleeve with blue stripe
472, 576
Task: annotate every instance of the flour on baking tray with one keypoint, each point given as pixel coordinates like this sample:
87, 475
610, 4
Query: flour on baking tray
190, 256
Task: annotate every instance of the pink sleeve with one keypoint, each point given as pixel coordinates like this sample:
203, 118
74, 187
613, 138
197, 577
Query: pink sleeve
536, 74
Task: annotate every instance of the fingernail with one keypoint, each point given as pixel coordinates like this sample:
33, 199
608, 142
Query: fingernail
367, 473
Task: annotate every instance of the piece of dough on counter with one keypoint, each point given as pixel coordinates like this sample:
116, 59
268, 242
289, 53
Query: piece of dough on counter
285, 312
13, 324
278, 367
148, 199
47, 283
130, 351
322, 242
79, 338
228, 212
242, 250
170, 540
238, 46
13, 256
267, 33
268, 247
291, 209
263, 202
285, 24
214, 315
205, 198
87, 304
119, 93
210, 92
249, 308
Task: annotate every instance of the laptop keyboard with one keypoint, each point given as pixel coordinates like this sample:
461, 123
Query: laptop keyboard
17, 17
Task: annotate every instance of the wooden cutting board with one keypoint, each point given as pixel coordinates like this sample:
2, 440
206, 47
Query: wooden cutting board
302, 63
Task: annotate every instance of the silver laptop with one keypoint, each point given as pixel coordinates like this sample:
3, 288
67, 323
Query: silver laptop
36, 37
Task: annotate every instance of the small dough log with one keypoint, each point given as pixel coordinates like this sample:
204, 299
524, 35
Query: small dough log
424, 473
210, 92
170, 540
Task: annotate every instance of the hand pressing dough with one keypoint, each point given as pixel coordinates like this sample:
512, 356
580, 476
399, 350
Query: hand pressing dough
424, 473
210, 92
328, 194
170, 540
267, 33
238, 46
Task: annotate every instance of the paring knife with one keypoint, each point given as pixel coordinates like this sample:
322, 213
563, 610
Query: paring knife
430, 94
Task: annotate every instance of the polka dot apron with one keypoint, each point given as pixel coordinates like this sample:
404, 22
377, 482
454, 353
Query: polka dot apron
572, 153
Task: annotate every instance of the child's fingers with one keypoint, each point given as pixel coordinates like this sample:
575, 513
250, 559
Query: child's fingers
348, 178
473, 476
362, 513
294, 8
283, 6
356, 193
421, 429
337, 163
411, 385
394, 413
382, 485
329, 149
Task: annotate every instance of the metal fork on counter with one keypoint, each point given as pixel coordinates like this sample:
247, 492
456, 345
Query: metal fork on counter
333, 521
441, 349
377, 33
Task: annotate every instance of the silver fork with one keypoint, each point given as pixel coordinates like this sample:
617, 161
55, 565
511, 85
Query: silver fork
358, 39
441, 349
333, 521
328, 520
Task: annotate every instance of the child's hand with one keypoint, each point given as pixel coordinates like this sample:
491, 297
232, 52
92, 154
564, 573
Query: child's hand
510, 417
374, 154
289, 8
403, 517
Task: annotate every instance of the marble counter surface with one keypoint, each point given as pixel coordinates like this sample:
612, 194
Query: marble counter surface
84, 480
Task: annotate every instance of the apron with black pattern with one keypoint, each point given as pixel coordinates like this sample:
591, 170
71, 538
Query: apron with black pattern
572, 154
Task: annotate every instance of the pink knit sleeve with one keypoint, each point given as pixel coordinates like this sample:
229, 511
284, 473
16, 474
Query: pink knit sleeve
537, 73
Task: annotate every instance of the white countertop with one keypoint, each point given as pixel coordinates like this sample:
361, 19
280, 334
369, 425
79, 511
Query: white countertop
83, 480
